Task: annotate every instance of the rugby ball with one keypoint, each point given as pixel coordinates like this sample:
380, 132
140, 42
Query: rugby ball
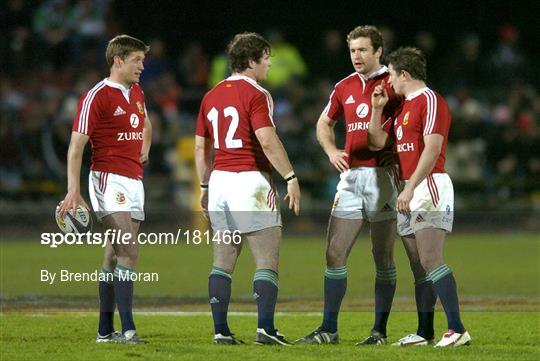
80, 222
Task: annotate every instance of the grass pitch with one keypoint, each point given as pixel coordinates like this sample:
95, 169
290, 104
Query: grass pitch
70, 336
497, 276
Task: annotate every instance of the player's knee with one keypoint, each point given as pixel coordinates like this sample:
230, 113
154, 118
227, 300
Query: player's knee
335, 257
429, 262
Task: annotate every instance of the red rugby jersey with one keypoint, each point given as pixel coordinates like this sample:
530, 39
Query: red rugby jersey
229, 115
424, 112
113, 117
352, 98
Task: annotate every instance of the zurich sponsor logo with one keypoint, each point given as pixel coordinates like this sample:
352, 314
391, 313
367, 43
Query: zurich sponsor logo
399, 133
134, 120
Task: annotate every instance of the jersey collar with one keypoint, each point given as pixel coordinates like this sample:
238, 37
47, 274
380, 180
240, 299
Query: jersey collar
125, 91
383, 69
416, 93
241, 77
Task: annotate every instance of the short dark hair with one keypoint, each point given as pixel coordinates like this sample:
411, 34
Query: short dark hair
410, 59
122, 46
367, 31
245, 47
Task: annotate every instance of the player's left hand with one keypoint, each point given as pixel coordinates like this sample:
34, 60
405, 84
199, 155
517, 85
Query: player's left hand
404, 199
143, 158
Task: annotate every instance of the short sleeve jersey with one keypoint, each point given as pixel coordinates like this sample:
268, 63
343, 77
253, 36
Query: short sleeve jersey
424, 112
229, 115
113, 117
351, 98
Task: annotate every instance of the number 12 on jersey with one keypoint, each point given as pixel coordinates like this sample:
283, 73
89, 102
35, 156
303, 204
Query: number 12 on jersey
230, 142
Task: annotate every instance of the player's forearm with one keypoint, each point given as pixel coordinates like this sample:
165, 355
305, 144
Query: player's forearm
326, 136
204, 168
203, 160
427, 161
74, 163
276, 154
377, 137
147, 137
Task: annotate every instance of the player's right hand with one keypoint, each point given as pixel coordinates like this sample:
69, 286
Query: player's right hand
379, 97
337, 158
293, 194
71, 202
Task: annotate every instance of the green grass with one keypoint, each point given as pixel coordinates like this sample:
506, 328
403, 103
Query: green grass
494, 273
70, 336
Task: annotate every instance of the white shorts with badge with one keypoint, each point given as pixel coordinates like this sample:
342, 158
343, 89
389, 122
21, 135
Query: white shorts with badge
367, 193
112, 193
242, 201
432, 206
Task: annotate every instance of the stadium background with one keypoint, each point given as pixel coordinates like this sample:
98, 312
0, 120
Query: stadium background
482, 57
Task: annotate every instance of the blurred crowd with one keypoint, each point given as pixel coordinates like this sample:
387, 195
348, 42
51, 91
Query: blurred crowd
52, 53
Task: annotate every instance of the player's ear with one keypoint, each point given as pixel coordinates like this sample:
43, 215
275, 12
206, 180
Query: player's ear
117, 60
251, 63
406, 75
378, 52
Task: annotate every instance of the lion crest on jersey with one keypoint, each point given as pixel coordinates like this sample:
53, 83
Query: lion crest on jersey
140, 107
120, 198
405, 119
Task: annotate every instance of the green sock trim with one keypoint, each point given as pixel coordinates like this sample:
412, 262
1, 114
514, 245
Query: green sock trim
220, 272
336, 273
123, 269
439, 272
265, 274
386, 275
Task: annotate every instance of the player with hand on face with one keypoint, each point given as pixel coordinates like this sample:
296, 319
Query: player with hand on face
426, 201
235, 119
366, 191
113, 116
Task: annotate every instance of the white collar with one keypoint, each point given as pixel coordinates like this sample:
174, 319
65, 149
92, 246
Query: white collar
116, 85
241, 77
383, 69
125, 91
416, 93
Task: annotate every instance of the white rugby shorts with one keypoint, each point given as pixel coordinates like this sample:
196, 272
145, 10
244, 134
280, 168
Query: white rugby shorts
367, 193
242, 201
112, 193
432, 206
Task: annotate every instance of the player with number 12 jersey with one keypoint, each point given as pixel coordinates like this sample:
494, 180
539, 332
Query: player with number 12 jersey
230, 114
237, 191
